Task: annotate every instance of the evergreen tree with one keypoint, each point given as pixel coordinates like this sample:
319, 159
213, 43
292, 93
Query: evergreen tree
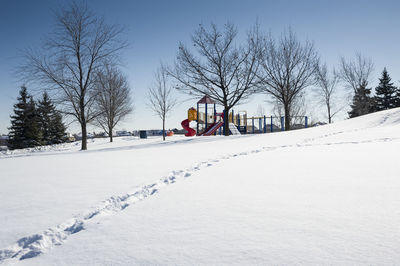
362, 102
24, 130
50, 121
57, 128
385, 93
45, 109
397, 98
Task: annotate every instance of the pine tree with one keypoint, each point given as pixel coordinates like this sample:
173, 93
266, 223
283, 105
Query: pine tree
57, 128
362, 103
397, 98
24, 130
45, 108
50, 121
385, 93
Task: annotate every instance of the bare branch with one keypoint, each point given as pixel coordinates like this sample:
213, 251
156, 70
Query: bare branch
219, 68
160, 98
356, 73
288, 69
326, 89
77, 49
113, 101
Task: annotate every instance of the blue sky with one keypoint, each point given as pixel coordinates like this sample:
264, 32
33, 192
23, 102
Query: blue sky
154, 28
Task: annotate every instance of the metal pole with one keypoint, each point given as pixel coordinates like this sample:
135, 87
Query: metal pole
215, 117
272, 126
306, 121
238, 120
245, 123
215, 114
206, 116
265, 124
226, 116
252, 122
282, 123
197, 118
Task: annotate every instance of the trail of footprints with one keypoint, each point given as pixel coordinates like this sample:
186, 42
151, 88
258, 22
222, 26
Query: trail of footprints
34, 245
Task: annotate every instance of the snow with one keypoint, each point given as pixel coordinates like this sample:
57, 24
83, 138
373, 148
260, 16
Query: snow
325, 195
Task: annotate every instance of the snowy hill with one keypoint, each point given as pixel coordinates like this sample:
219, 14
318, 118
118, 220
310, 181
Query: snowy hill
325, 195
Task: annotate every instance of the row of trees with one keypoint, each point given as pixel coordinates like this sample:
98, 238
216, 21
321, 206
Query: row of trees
78, 66
41, 124
35, 124
356, 74
386, 97
281, 67
230, 73
79, 62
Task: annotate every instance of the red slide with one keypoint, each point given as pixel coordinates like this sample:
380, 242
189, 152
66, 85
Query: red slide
190, 131
211, 130
206, 130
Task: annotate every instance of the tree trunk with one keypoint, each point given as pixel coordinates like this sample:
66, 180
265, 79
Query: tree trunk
163, 129
226, 121
287, 117
110, 134
329, 115
84, 136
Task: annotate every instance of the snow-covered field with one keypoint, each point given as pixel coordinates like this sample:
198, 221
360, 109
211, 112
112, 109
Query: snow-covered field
317, 196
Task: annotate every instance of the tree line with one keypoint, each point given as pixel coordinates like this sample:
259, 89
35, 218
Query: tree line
79, 66
35, 123
282, 67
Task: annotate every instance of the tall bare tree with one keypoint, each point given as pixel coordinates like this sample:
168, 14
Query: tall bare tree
288, 68
76, 50
326, 89
260, 110
297, 111
160, 96
357, 72
219, 67
113, 99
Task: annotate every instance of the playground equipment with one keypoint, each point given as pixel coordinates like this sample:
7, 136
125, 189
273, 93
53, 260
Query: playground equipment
209, 122
206, 116
190, 131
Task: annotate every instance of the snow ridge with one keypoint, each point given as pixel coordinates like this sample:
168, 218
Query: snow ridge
36, 244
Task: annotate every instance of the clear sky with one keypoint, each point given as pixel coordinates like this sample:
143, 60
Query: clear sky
154, 28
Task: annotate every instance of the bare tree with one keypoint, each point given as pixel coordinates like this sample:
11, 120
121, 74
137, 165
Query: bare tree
76, 50
326, 89
297, 111
113, 99
219, 68
260, 110
356, 73
160, 97
288, 68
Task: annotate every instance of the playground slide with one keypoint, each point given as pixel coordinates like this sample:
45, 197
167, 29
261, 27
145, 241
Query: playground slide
211, 130
205, 130
233, 129
190, 131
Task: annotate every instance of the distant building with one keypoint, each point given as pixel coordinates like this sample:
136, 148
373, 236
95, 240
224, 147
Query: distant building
123, 133
318, 124
3, 142
79, 136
